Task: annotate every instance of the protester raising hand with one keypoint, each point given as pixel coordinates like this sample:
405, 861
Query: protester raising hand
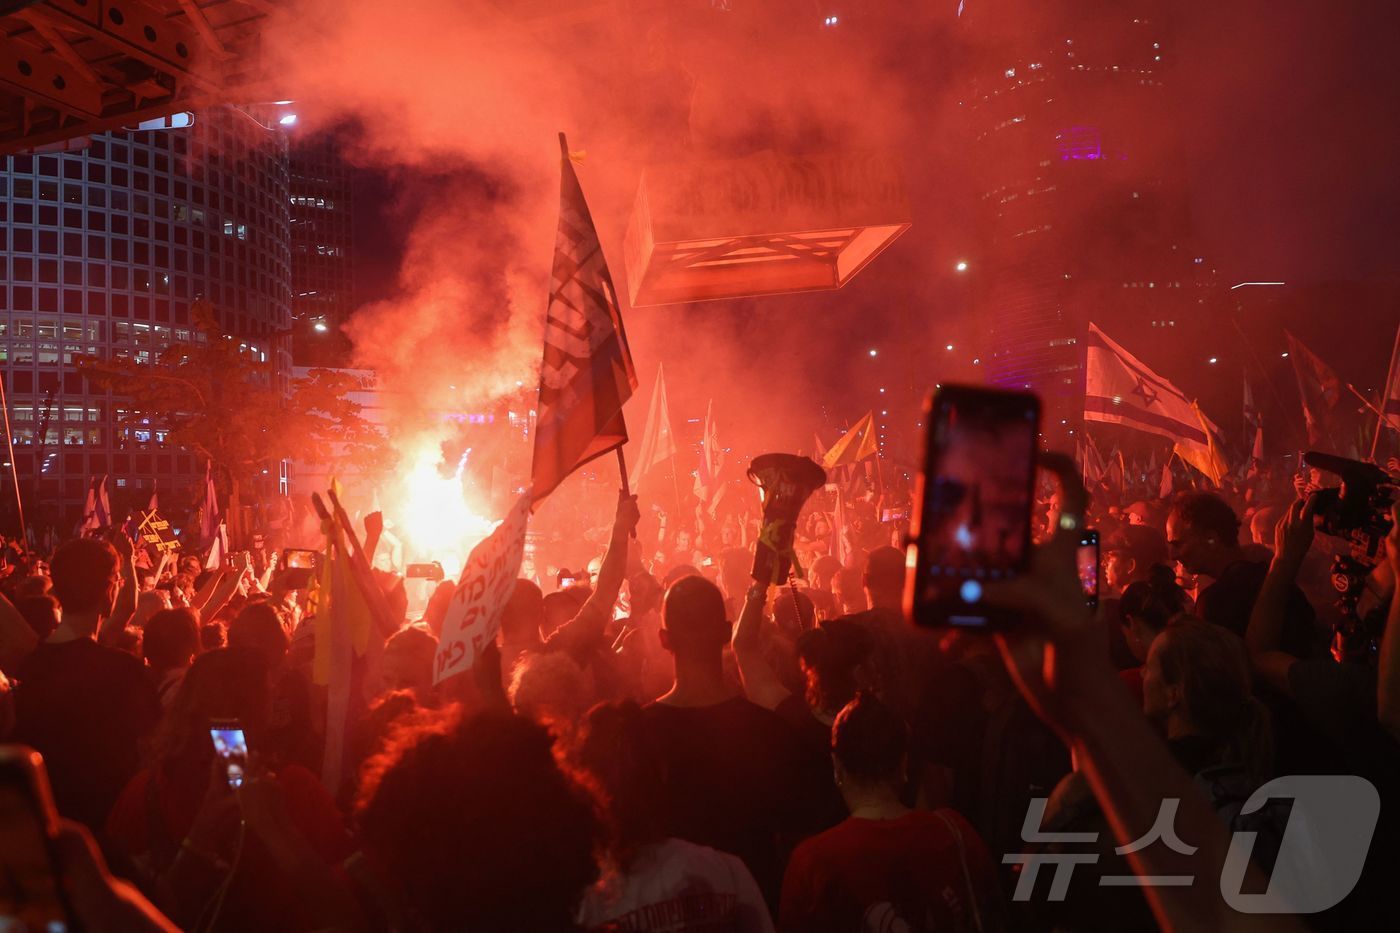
1293, 535
1064, 655
1060, 663
582, 634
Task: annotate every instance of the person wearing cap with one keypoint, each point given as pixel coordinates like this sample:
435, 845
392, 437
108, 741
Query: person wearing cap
1129, 553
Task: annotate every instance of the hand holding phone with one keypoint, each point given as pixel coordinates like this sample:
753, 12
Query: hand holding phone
231, 745
1087, 558
429, 571
299, 557
972, 523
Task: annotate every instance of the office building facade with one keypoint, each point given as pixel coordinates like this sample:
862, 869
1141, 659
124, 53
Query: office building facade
103, 248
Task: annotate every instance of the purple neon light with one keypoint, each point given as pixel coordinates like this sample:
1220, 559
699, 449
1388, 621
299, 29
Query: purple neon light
1080, 142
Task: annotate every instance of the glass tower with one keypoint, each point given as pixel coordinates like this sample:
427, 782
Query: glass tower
102, 251
1080, 217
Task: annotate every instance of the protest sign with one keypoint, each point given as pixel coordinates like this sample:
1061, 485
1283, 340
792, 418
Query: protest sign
488, 579
155, 531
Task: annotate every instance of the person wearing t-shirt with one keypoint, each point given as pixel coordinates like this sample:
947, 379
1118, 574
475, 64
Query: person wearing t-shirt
85, 707
737, 775
1203, 535
886, 867
652, 881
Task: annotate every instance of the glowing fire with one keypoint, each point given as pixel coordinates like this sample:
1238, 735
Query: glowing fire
434, 518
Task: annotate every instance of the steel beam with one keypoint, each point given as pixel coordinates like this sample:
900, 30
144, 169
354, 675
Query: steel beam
136, 30
43, 77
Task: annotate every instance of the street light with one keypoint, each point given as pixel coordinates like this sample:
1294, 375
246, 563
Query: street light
320, 327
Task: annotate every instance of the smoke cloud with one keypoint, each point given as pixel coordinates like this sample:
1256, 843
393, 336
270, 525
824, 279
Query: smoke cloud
461, 102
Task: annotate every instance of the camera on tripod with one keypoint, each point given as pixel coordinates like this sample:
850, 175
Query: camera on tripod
1358, 512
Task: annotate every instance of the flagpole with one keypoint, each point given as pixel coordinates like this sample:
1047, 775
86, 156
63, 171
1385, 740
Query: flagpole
1259, 365
1367, 402
675, 485
14, 467
622, 468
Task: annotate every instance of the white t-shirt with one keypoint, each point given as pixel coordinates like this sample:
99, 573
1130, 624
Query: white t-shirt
675, 886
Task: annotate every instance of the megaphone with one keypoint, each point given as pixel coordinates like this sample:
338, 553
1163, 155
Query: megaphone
785, 482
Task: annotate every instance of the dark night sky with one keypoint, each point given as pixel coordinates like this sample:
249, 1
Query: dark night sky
1289, 124
1291, 128
1287, 130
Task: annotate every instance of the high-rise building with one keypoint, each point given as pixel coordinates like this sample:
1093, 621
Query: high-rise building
102, 251
319, 192
1081, 216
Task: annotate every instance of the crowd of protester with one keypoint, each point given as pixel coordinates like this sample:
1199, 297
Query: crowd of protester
666, 744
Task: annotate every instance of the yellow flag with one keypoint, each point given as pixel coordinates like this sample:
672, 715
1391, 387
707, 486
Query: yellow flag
855, 445
340, 608
1209, 460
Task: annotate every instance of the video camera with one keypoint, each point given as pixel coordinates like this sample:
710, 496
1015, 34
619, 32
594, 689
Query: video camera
1358, 512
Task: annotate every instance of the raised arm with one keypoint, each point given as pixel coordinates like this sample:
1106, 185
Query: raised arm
1264, 635
227, 586
1060, 663
125, 606
761, 683
587, 625
266, 579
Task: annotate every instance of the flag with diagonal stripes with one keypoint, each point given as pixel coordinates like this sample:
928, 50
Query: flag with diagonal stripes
586, 374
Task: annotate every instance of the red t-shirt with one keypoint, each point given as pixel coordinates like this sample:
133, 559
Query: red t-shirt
870, 874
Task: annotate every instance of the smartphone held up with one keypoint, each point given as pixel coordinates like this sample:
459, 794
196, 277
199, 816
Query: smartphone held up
231, 745
1087, 564
972, 518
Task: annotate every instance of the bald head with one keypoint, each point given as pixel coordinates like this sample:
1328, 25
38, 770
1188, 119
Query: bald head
693, 617
884, 577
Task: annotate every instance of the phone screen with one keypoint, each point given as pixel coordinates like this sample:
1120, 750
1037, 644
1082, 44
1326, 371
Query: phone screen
31, 897
1087, 558
298, 557
231, 745
975, 497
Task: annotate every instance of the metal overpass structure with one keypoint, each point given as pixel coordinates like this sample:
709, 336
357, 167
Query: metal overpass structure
70, 68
